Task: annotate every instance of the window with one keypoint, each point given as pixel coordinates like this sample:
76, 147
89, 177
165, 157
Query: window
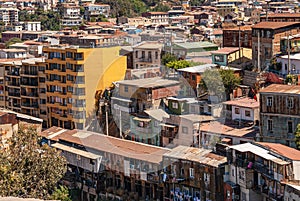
174, 105
192, 172
182, 171
193, 109
237, 110
42, 79
290, 102
184, 129
270, 125
219, 58
125, 88
290, 127
156, 55
136, 54
247, 113
269, 101
193, 77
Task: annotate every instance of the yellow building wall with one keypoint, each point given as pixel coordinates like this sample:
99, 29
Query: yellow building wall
102, 66
247, 52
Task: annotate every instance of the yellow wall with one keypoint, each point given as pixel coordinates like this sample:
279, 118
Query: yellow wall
102, 66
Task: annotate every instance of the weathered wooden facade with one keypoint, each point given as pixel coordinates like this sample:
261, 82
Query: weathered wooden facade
279, 113
105, 167
267, 36
194, 174
259, 171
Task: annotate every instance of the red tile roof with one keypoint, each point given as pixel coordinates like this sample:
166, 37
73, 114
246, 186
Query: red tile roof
226, 50
274, 25
281, 88
244, 102
282, 15
108, 144
283, 150
227, 130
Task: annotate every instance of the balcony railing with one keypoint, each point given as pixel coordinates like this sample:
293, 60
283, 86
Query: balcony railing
29, 83
32, 105
33, 94
15, 94
17, 84
30, 73
168, 134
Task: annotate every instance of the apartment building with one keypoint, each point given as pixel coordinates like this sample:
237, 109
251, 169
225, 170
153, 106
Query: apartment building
104, 167
94, 10
74, 76
260, 171
157, 17
9, 15
25, 89
70, 14
266, 37
279, 113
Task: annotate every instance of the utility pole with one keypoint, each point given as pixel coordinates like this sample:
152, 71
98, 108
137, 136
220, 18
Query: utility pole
120, 123
288, 49
239, 41
106, 118
258, 51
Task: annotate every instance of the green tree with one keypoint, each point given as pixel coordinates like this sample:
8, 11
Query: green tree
28, 169
161, 8
102, 18
297, 137
178, 64
61, 193
219, 82
168, 57
12, 41
291, 79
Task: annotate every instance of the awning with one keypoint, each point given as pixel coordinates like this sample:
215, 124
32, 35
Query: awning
142, 119
121, 99
167, 125
76, 151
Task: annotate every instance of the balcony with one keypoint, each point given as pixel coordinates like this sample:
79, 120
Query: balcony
14, 94
168, 134
153, 178
13, 84
145, 60
26, 83
30, 95
261, 168
30, 73
30, 105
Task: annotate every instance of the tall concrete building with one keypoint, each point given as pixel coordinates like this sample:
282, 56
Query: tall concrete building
74, 77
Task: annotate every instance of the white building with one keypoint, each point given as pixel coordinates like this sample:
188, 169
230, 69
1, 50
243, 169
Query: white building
13, 53
9, 15
31, 26
294, 64
71, 15
243, 109
94, 10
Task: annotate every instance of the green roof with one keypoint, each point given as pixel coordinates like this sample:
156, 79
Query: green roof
195, 45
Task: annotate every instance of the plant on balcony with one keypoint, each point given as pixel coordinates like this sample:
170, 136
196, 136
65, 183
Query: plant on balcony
297, 137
